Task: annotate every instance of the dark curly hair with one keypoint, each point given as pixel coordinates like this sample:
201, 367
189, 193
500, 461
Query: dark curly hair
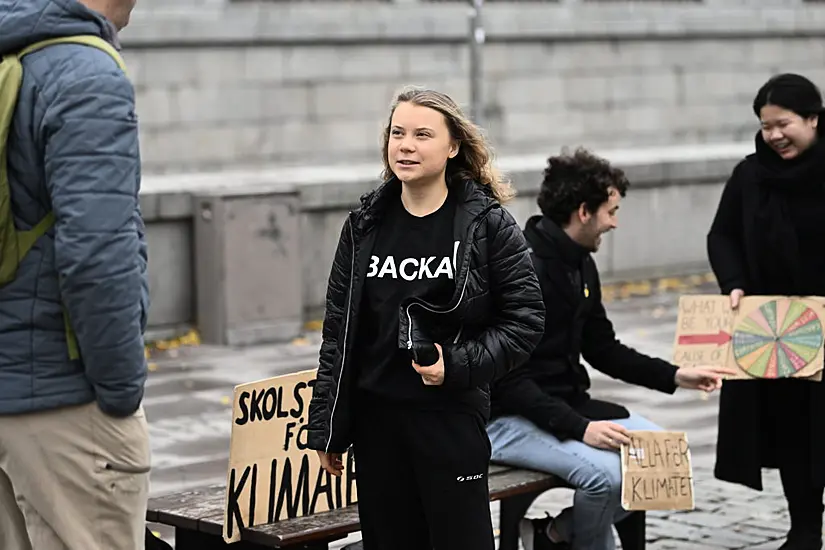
570, 180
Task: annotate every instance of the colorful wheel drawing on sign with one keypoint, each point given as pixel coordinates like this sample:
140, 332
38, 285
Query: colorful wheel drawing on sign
778, 339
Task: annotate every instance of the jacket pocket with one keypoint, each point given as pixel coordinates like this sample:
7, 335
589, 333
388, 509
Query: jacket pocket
122, 452
123, 468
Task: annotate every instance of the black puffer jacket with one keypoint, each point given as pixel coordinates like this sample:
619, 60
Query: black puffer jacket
490, 325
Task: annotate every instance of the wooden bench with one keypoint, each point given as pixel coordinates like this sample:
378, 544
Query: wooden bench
198, 515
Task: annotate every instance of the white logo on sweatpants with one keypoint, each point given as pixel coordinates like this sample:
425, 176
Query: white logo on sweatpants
461, 479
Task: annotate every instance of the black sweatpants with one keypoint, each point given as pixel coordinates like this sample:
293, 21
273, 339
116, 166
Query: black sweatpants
422, 479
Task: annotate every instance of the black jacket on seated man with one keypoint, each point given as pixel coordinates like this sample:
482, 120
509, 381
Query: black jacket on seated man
551, 389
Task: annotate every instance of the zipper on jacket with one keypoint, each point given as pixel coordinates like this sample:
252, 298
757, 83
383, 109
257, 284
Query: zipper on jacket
346, 331
474, 226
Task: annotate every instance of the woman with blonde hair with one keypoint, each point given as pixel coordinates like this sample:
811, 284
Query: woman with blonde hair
431, 296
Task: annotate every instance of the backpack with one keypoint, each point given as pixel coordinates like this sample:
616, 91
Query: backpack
16, 243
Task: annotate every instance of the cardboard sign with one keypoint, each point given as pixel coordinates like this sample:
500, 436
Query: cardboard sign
657, 472
766, 337
272, 475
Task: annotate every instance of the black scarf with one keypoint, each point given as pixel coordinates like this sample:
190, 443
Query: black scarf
778, 182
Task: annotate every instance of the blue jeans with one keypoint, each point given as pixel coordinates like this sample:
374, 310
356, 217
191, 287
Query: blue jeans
596, 475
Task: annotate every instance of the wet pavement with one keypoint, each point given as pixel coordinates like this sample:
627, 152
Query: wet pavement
188, 400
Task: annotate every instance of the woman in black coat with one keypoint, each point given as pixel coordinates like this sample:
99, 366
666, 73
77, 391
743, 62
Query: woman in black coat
431, 296
768, 238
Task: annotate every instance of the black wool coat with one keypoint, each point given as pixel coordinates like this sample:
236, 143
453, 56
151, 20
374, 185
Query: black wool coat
768, 238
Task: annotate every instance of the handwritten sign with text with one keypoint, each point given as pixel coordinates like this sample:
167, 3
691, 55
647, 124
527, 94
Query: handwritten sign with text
766, 337
703, 331
657, 472
272, 475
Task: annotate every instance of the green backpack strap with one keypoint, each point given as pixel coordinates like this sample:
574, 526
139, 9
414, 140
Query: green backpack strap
83, 39
15, 244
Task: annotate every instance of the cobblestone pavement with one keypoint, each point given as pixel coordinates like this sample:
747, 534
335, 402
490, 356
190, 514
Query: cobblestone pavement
188, 406
726, 516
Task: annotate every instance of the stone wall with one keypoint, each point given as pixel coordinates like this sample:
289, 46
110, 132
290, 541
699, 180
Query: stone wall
244, 256
226, 83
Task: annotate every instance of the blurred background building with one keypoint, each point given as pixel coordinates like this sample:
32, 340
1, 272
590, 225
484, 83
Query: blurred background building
244, 82
261, 123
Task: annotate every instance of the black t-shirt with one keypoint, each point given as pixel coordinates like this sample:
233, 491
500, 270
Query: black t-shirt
412, 256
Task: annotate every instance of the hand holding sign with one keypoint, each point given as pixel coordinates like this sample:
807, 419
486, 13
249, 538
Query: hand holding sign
434, 374
736, 295
706, 379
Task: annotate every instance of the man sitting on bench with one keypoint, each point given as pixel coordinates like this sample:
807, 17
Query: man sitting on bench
543, 417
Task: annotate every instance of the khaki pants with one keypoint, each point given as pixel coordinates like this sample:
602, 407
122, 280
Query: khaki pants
73, 479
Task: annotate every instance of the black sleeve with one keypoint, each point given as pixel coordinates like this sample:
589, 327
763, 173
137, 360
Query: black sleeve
603, 351
518, 318
724, 241
520, 395
320, 407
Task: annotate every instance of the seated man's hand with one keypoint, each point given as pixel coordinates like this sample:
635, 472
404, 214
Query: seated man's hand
606, 435
706, 379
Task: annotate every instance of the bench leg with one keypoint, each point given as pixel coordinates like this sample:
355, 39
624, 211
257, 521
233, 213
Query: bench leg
511, 511
186, 539
631, 531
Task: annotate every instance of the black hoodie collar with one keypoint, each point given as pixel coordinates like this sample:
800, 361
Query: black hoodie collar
549, 240
471, 199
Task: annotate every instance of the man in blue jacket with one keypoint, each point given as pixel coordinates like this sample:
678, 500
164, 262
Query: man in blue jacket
74, 447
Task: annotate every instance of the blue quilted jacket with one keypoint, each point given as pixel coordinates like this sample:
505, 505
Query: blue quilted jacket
73, 148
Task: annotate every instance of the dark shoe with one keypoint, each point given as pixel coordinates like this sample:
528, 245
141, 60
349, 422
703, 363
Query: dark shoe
534, 535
